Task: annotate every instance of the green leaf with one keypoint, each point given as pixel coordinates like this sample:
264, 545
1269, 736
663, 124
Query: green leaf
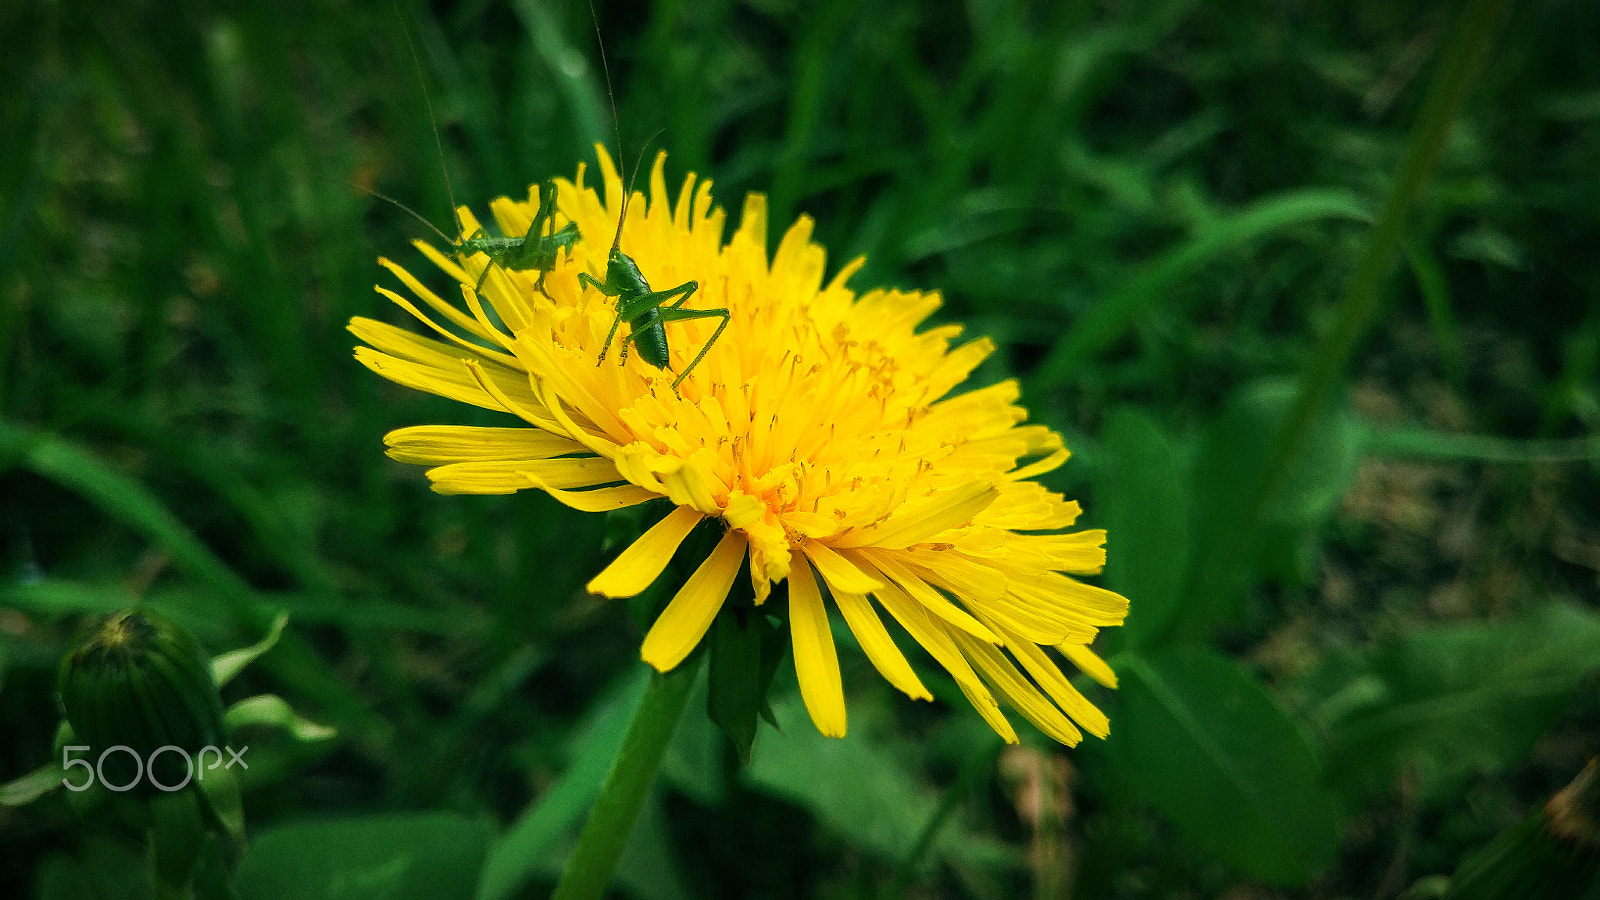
1455, 699
428, 856
860, 788
1232, 460
1421, 443
1204, 742
1147, 523
54, 596
195, 607
648, 869
101, 867
127, 500
1435, 290
122, 498
693, 765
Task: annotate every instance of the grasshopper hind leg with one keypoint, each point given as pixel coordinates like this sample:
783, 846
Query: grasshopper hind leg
678, 314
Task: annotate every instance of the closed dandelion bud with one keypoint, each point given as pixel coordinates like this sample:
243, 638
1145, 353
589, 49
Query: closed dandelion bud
1574, 814
1554, 853
132, 689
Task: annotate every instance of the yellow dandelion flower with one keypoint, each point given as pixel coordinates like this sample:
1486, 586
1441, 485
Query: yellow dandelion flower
821, 429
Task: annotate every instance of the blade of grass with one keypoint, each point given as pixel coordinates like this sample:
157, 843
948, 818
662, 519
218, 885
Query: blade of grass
1435, 293
1153, 285
1317, 382
1424, 444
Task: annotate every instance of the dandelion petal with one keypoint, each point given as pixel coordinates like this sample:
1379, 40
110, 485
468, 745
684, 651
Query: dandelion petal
841, 574
878, 645
685, 620
639, 565
815, 662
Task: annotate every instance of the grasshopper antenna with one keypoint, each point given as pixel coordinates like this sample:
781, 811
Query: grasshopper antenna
414, 214
616, 124
647, 312
433, 121
638, 163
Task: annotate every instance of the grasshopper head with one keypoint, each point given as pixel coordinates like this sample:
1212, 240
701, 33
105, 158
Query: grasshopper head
623, 272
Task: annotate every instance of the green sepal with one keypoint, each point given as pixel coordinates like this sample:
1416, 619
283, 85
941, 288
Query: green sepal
226, 665
736, 695
623, 526
92, 804
177, 840
87, 803
25, 789
191, 715
272, 711
220, 800
746, 648
774, 645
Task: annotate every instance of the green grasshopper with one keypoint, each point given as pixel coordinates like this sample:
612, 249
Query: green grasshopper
637, 304
535, 250
644, 311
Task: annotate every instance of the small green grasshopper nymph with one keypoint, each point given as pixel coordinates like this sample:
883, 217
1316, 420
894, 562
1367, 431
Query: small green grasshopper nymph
642, 309
534, 250
637, 305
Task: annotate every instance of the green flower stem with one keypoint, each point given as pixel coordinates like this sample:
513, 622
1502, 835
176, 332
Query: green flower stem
611, 820
1457, 63
177, 838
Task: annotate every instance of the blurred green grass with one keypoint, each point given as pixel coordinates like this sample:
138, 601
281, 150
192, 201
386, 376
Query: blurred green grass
1149, 205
